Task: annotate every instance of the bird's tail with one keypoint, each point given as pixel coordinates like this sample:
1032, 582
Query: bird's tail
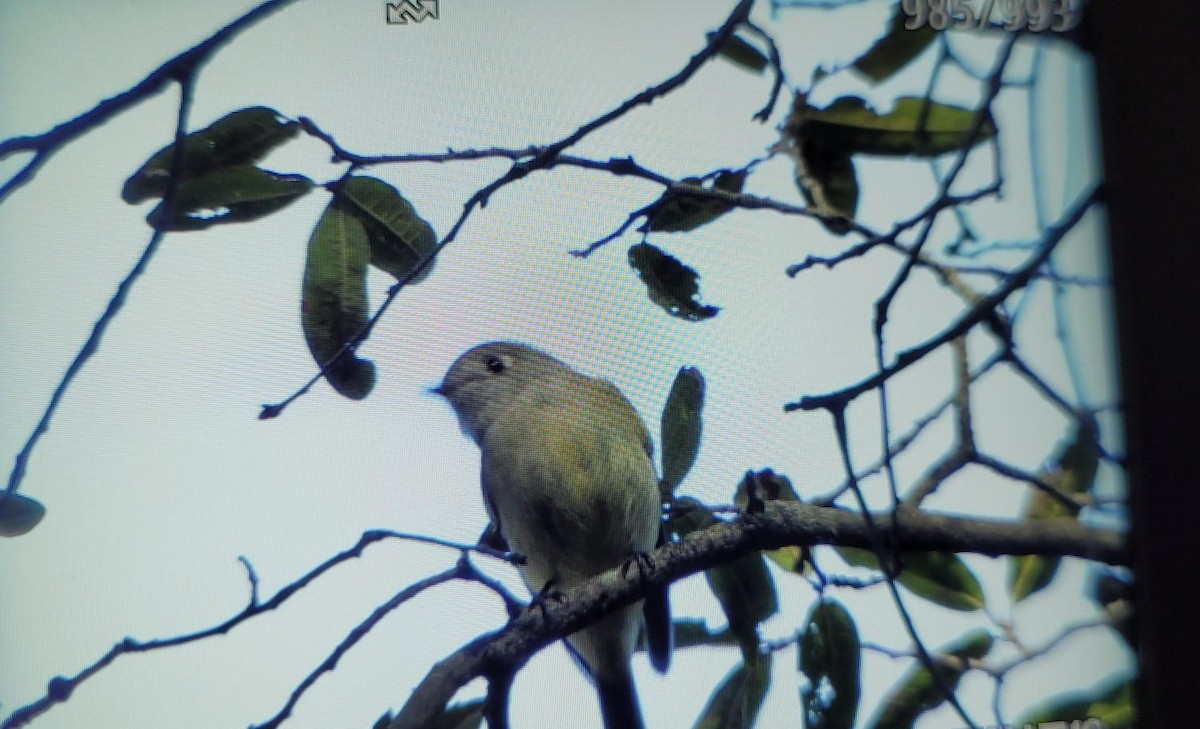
619, 702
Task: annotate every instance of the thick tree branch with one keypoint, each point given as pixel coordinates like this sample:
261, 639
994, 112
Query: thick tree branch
780, 524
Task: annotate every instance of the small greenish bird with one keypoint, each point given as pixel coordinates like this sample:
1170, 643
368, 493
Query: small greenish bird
568, 480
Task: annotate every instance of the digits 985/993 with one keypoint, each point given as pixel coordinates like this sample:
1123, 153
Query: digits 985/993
1013, 15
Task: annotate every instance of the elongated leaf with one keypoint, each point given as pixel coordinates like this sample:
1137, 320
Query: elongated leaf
743, 587
747, 595
1079, 458
736, 702
775, 487
849, 125
400, 239
918, 690
230, 195
690, 633
239, 138
739, 51
19, 514
671, 284
1028, 574
1073, 472
830, 658
678, 211
826, 177
682, 426
896, 49
334, 306
940, 577
1112, 706
824, 173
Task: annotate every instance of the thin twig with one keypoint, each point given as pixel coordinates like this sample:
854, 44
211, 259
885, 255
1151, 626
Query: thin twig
45, 145
60, 688
359, 632
92, 344
1020, 278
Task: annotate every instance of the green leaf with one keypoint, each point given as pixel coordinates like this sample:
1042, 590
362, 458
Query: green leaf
736, 702
400, 239
690, 633
671, 284
676, 212
1073, 472
743, 587
682, 426
747, 595
230, 195
918, 691
775, 487
895, 49
737, 50
1030, 573
241, 137
830, 658
1078, 459
19, 514
688, 515
850, 126
334, 305
1113, 706
940, 577
827, 179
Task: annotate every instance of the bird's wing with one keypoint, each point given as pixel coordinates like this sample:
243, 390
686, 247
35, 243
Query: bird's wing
619, 408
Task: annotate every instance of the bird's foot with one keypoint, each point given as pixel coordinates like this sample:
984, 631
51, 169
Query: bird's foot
644, 561
550, 593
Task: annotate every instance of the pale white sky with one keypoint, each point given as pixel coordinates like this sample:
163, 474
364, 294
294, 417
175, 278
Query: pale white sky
157, 475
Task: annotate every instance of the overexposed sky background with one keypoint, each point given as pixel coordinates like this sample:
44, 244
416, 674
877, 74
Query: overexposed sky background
157, 475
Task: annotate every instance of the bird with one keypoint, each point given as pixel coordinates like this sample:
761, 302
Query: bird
568, 480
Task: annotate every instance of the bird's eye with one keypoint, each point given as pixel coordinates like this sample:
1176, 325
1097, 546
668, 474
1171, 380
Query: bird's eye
495, 365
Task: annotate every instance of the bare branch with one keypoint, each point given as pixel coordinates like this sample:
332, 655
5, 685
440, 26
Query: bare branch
186, 80
358, 633
1019, 278
60, 688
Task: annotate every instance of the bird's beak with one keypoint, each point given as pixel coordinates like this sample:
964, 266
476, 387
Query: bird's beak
438, 389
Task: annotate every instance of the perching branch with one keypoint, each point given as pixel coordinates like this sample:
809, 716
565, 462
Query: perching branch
778, 525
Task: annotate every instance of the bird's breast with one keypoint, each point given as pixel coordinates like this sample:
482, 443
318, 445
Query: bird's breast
573, 493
